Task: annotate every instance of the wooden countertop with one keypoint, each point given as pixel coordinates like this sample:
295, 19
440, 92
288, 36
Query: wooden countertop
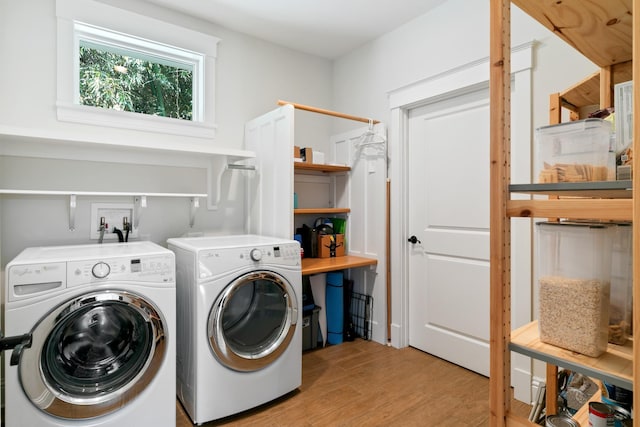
323, 265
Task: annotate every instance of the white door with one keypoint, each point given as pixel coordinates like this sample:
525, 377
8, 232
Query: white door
448, 205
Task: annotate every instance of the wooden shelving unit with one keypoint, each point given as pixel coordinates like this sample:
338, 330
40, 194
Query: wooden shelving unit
604, 32
585, 95
314, 169
323, 265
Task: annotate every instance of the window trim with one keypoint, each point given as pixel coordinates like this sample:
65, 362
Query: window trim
103, 38
94, 21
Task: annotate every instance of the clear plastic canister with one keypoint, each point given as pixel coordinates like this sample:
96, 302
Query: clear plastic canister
574, 278
620, 310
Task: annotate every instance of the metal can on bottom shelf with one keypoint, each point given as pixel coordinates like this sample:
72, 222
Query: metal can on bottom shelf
621, 416
560, 421
601, 415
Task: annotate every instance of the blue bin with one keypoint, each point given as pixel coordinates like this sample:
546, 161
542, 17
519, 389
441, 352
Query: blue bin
335, 307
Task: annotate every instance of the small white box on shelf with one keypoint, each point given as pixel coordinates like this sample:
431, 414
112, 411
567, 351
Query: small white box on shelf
318, 157
574, 152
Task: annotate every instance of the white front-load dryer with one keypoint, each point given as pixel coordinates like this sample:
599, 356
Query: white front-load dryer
239, 306
98, 336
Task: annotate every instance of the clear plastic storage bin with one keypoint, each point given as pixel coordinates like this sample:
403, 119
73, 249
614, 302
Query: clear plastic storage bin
620, 309
575, 152
574, 278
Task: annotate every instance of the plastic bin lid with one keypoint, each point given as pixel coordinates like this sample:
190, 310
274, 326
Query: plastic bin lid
578, 124
575, 224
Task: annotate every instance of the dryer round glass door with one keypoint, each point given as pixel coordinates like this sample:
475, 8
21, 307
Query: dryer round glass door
253, 320
93, 354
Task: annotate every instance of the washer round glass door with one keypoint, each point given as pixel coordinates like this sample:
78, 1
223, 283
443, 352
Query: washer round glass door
93, 354
253, 320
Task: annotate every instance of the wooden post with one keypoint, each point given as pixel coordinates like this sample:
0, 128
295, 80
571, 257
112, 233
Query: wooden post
555, 109
500, 241
606, 87
636, 208
551, 398
329, 112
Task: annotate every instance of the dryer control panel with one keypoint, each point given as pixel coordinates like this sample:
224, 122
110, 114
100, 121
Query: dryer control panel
261, 256
286, 254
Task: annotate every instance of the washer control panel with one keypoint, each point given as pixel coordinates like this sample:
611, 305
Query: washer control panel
100, 270
33, 279
152, 268
28, 280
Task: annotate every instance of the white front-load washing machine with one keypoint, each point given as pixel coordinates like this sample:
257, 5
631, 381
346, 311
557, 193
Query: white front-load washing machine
239, 307
98, 336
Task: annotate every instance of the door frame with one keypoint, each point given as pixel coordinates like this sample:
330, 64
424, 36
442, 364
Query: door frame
456, 81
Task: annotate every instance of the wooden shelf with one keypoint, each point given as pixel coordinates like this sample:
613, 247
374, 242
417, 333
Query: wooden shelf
320, 168
323, 265
587, 91
604, 200
315, 167
604, 209
595, 189
615, 366
601, 33
321, 211
582, 416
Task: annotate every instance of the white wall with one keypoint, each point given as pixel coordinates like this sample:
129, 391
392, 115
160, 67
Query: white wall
436, 43
440, 41
251, 75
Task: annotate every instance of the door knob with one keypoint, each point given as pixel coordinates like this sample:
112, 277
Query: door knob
413, 240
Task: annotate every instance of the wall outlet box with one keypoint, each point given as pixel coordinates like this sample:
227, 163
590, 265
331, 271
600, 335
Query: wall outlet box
113, 214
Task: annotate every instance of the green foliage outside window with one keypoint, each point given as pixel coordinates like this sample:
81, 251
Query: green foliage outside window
119, 82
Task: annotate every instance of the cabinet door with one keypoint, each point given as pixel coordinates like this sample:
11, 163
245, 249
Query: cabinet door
269, 192
363, 189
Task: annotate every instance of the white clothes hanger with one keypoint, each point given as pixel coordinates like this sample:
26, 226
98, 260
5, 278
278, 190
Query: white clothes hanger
371, 138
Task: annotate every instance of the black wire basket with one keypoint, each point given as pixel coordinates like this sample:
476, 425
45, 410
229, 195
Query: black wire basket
360, 314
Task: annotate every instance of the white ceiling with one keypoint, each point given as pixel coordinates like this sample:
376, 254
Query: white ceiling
326, 28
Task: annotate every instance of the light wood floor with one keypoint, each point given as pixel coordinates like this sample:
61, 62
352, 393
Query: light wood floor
363, 383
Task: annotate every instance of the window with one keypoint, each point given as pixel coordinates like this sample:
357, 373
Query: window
120, 69
125, 73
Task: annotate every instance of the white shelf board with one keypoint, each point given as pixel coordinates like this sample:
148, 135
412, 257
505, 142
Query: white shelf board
20, 141
96, 193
